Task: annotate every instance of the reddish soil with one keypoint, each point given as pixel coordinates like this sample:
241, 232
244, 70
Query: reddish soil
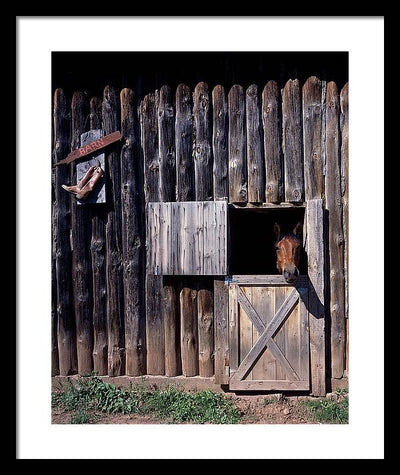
254, 409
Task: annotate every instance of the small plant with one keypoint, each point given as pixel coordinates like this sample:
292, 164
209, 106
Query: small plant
84, 417
333, 411
271, 400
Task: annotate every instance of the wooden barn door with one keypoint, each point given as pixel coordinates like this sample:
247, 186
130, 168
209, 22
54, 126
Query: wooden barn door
269, 334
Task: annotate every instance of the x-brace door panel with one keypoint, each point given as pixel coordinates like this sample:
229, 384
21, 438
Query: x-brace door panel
269, 335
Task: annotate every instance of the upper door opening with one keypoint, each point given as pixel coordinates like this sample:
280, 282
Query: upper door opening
252, 238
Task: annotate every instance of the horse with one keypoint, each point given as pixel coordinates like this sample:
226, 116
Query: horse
288, 247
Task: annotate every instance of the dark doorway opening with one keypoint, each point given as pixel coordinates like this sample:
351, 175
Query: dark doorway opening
252, 238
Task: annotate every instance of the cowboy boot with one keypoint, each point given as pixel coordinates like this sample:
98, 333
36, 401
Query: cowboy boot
90, 185
82, 182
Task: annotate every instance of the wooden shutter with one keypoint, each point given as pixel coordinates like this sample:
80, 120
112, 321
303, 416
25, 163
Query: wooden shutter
187, 238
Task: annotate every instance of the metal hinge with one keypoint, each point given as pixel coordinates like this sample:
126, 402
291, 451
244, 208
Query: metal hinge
156, 270
230, 280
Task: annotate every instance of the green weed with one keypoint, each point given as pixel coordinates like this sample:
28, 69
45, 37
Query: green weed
333, 411
90, 394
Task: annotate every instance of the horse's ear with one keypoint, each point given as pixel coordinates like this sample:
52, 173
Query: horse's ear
298, 229
277, 231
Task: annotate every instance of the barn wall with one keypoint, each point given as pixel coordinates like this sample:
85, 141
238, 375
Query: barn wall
260, 144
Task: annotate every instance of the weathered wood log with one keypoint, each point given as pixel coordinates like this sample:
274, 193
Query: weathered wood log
55, 367
98, 253
166, 141
132, 239
335, 236
205, 319
292, 141
185, 191
115, 294
271, 116
237, 145
220, 144
170, 309
313, 112
169, 291
155, 343
183, 140
81, 260
149, 136
316, 294
95, 113
221, 331
189, 331
255, 153
344, 125
203, 163
66, 333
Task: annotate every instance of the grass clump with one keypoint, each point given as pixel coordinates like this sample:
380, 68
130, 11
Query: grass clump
90, 395
331, 411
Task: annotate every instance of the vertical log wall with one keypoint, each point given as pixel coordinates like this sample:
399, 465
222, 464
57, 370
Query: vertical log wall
253, 144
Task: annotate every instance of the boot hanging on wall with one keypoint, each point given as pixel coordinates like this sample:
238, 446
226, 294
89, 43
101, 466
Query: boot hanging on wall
86, 184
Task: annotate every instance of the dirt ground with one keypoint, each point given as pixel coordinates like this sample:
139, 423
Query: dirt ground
264, 408
254, 409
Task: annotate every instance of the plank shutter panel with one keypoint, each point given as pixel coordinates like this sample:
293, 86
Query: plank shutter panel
187, 238
269, 333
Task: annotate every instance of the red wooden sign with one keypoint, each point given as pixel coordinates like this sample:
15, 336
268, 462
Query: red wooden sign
91, 147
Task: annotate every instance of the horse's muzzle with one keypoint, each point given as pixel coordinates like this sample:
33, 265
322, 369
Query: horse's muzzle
290, 274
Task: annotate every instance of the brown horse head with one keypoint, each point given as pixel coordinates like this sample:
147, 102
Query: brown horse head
288, 248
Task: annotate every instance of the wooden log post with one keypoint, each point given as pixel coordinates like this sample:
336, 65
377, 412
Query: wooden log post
292, 141
189, 330
95, 113
81, 259
335, 227
155, 342
271, 117
55, 366
132, 239
185, 191
166, 141
66, 333
169, 292
221, 331
115, 294
170, 308
183, 140
313, 111
237, 145
316, 267
98, 253
220, 144
344, 126
203, 164
255, 153
205, 315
